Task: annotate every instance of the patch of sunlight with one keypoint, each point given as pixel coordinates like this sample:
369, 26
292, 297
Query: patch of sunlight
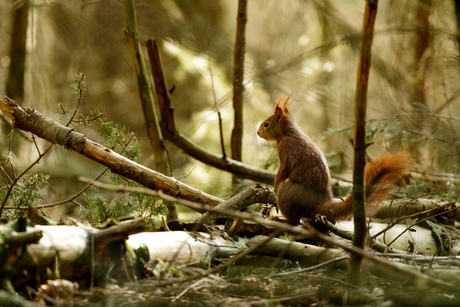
307, 70
118, 88
208, 179
6, 61
328, 66
314, 63
173, 11
303, 40
208, 119
192, 62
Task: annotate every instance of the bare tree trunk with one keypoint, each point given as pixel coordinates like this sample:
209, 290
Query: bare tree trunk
15, 82
359, 188
238, 78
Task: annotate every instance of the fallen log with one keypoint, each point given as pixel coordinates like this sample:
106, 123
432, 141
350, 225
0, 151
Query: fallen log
84, 253
76, 253
13, 241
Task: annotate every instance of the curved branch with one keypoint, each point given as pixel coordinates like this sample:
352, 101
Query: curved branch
171, 133
229, 165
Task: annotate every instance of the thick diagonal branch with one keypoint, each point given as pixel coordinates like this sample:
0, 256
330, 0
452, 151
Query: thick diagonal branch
32, 121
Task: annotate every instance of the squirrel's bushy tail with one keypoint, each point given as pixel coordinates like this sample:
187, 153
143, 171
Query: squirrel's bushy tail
380, 175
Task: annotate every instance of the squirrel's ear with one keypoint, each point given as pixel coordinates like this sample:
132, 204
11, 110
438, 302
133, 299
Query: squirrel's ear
282, 107
278, 111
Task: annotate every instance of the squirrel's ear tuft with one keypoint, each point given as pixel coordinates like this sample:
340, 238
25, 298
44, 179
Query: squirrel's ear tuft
282, 107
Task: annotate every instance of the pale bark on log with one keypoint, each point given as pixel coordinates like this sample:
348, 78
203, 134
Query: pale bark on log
184, 248
418, 240
69, 251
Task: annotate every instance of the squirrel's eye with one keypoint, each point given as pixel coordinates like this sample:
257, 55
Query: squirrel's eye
266, 124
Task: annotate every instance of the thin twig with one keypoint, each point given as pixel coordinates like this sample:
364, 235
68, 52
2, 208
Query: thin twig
418, 222
314, 267
72, 198
16, 179
188, 288
36, 145
411, 216
81, 79
221, 132
40, 156
244, 253
454, 260
7, 177
10, 152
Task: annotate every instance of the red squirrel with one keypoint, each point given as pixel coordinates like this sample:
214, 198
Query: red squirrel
303, 182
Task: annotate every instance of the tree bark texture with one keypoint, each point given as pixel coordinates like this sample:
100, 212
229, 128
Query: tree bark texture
238, 78
359, 189
161, 88
15, 82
